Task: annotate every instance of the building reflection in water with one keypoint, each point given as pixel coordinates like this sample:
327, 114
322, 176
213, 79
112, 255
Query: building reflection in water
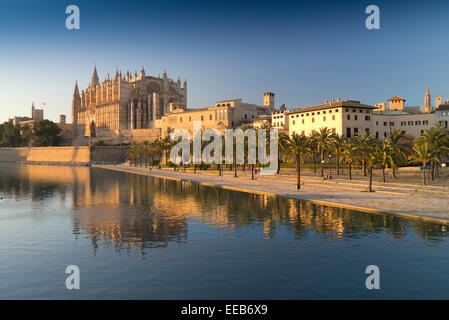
131, 213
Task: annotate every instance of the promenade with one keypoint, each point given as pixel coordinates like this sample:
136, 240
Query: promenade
403, 199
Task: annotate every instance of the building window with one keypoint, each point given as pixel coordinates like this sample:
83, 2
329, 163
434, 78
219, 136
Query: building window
334, 131
356, 131
391, 124
367, 118
385, 123
425, 122
190, 118
324, 118
293, 121
377, 123
348, 132
313, 120
202, 118
180, 119
303, 132
333, 117
302, 121
348, 117
356, 118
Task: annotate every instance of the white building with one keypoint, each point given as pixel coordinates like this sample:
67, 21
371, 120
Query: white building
346, 118
279, 119
442, 115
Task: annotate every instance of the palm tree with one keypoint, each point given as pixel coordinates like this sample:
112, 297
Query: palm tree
131, 154
313, 149
385, 157
324, 141
166, 146
360, 142
337, 148
282, 149
438, 141
158, 150
422, 152
400, 148
349, 154
299, 146
370, 157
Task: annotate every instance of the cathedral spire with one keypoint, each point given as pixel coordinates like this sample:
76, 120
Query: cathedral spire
142, 71
164, 74
94, 80
427, 101
76, 92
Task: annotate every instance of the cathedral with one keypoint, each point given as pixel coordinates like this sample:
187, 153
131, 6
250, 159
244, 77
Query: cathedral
125, 102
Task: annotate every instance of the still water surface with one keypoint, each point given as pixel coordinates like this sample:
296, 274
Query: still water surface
136, 237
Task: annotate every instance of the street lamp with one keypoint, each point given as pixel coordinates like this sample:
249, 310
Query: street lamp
322, 166
330, 166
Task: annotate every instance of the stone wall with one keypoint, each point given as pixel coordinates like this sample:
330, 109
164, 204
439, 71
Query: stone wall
108, 154
13, 154
59, 154
78, 155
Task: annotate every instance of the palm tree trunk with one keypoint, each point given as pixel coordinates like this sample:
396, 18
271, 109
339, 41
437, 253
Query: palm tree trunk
349, 171
235, 168
279, 165
338, 164
432, 171
252, 171
370, 171
298, 172
424, 173
383, 173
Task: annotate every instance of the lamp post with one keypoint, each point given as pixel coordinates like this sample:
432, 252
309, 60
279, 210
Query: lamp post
322, 163
330, 166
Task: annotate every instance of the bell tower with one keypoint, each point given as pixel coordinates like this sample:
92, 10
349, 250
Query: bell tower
268, 100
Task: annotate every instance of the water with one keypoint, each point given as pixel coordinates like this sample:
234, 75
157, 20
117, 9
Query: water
136, 237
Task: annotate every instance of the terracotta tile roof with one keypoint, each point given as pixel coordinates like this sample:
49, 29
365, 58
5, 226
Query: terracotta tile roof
396, 98
345, 103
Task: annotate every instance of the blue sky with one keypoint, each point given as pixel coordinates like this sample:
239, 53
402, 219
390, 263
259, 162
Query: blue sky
304, 51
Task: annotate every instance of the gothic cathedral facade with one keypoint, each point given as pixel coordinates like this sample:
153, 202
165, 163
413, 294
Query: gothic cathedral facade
124, 103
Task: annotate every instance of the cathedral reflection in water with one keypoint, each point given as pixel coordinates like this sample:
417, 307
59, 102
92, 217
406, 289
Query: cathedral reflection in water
133, 213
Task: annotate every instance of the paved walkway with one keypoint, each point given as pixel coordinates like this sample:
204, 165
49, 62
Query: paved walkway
401, 200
